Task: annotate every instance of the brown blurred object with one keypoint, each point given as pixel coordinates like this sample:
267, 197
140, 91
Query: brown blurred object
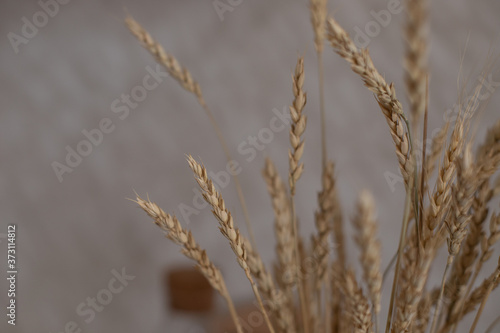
251, 320
189, 290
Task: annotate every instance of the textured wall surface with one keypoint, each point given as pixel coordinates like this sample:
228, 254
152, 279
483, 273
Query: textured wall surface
68, 76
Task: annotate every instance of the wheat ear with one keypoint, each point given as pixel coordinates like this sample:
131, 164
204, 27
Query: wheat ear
486, 245
464, 266
366, 237
185, 79
416, 57
475, 298
190, 248
282, 224
440, 199
298, 126
296, 167
414, 274
463, 199
323, 218
358, 308
276, 299
362, 64
227, 227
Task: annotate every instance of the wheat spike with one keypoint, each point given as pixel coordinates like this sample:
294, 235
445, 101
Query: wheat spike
298, 125
357, 306
414, 274
416, 57
362, 64
181, 74
318, 19
276, 299
282, 225
226, 226
296, 167
366, 238
190, 248
323, 219
440, 199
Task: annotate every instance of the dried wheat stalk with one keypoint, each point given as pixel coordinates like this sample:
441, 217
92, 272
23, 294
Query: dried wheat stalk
181, 74
298, 126
358, 308
296, 167
458, 220
174, 231
416, 57
185, 79
227, 227
323, 219
282, 225
318, 10
441, 197
366, 238
362, 64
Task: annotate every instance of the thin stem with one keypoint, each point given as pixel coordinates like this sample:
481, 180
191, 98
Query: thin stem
302, 296
259, 300
441, 293
389, 266
483, 303
324, 156
239, 190
402, 238
232, 310
424, 148
324, 160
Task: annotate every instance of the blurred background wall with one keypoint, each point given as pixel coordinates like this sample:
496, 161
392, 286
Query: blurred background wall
66, 77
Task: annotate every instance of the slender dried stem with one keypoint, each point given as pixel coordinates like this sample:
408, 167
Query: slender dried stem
441, 292
296, 168
402, 238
